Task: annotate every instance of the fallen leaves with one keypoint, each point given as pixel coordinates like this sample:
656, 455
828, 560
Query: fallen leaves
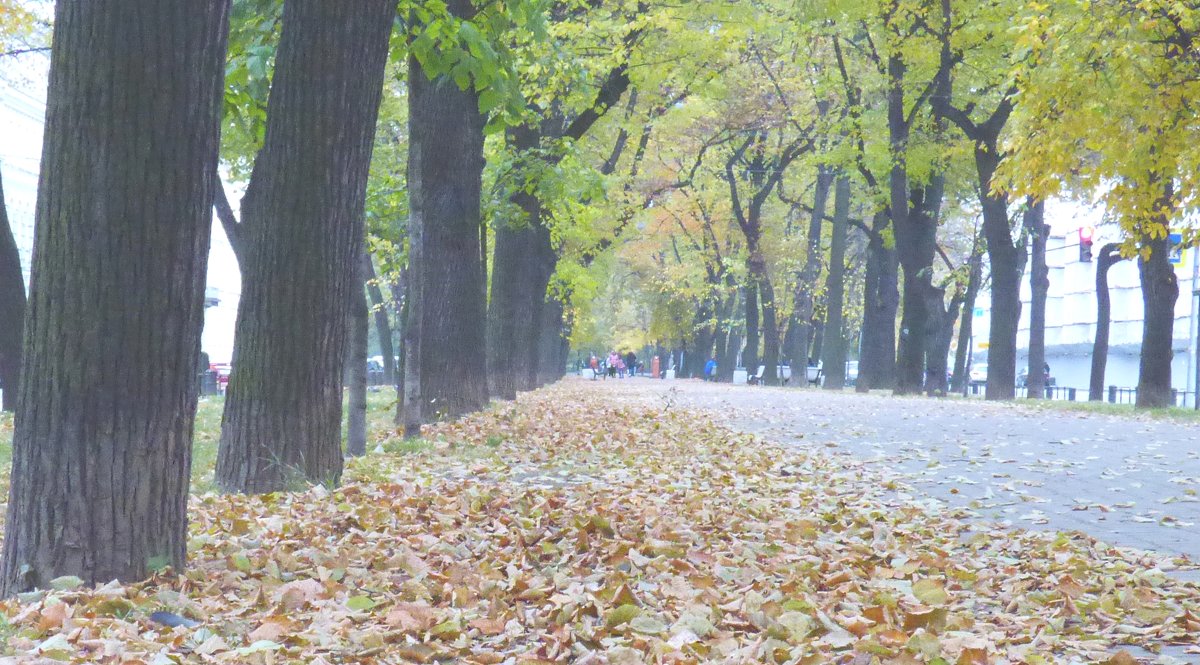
581, 527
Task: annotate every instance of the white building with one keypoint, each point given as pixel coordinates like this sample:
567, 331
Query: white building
1071, 310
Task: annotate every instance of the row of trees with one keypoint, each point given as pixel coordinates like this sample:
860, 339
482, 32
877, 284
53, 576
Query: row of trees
508, 177
950, 124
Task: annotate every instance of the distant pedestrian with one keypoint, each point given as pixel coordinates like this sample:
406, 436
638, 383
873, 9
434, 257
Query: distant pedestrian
710, 369
594, 363
620, 367
612, 364
631, 363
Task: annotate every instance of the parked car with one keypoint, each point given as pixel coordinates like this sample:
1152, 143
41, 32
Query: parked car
979, 373
223, 370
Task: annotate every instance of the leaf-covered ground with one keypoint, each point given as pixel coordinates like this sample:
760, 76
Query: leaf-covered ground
575, 527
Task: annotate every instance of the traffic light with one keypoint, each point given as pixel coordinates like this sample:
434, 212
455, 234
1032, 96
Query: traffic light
1085, 244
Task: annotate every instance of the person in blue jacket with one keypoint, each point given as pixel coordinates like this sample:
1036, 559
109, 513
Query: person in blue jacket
710, 370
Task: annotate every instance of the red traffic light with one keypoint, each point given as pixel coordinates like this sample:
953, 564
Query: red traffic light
1086, 233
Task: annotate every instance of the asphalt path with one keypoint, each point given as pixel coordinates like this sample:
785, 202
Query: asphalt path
1128, 480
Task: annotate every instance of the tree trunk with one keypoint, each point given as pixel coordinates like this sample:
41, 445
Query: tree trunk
517, 293
727, 341
1007, 260
1109, 255
383, 328
12, 311
974, 279
550, 336
1039, 283
916, 247
881, 300
303, 218
448, 361
1160, 290
103, 440
356, 366
750, 351
834, 359
940, 333
800, 339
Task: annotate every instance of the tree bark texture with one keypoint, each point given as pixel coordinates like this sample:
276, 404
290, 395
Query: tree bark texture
834, 360
916, 238
1007, 260
383, 327
102, 447
727, 341
356, 366
448, 314
1160, 290
770, 322
940, 334
974, 279
12, 311
800, 341
881, 300
1109, 255
303, 219
1039, 283
750, 350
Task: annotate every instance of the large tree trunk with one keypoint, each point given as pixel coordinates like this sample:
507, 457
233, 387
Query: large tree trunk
356, 367
303, 216
940, 333
383, 328
12, 311
447, 360
550, 337
834, 359
1039, 283
518, 292
1160, 290
916, 247
1109, 255
799, 338
881, 300
974, 279
1007, 260
102, 448
770, 324
727, 341
750, 350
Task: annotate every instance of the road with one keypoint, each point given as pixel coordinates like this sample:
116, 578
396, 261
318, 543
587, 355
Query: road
1127, 480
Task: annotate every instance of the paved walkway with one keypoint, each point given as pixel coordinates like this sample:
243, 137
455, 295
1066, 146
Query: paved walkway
1127, 480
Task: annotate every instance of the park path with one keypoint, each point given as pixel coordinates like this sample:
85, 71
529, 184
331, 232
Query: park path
1127, 480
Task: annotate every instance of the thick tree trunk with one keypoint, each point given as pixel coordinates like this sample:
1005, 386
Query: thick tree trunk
550, 336
916, 247
1109, 255
1160, 290
518, 292
881, 300
750, 350
799, 338
383, 327
757, 269
834, 358
303, 215
12, 311
447, 360
974, 279
940, 333
727, 342
1039, 283
1007, 260
102, 447
356, 367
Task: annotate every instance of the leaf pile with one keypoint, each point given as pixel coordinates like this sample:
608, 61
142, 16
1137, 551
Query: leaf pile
570, 527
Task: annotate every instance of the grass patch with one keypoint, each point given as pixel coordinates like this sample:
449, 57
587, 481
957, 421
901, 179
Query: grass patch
381, 405
1104, 408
